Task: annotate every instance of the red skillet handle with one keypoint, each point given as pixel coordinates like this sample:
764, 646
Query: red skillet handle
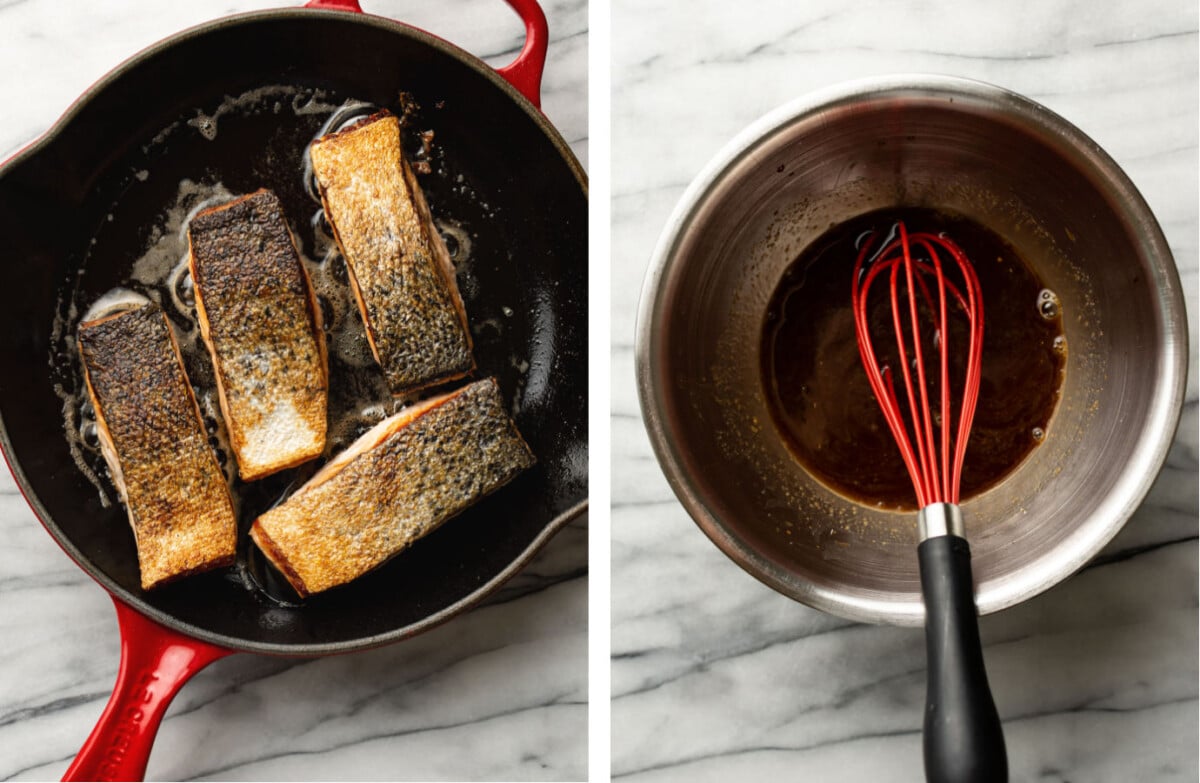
155, 662
525, 72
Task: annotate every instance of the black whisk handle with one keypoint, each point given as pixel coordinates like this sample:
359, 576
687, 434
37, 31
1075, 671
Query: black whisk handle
964, 742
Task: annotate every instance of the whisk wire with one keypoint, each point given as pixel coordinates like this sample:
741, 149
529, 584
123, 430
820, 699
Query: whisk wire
881, 379
922, 436
974, 311
942, 342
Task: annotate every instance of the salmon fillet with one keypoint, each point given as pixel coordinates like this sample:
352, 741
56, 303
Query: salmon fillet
155, 445
396, 483
399, 268
261, 323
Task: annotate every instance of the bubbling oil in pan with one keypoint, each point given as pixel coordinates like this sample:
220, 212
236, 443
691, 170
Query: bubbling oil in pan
358, 394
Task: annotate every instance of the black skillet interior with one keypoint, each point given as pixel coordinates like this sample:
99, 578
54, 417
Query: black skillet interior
498, 172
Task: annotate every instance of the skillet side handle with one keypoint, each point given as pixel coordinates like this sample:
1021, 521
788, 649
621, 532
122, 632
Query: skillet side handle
525, 72
335, 5
155, 663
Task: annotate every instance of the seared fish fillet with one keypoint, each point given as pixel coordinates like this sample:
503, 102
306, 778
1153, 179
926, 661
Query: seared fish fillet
399, 268
396, 483
156, 447
262, 327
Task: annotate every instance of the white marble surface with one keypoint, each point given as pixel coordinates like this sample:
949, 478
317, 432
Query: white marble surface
716, 677
497, 694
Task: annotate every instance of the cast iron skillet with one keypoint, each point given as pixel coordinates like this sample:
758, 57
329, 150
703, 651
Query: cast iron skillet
523, 197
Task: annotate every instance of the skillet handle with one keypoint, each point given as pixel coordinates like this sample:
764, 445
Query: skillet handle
155, 662
525, 72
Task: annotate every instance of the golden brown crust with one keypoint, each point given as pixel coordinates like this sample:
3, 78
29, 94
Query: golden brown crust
261, 326
158, 451
399, 268
403, 479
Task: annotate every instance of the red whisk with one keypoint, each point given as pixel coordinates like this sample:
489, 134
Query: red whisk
963, 738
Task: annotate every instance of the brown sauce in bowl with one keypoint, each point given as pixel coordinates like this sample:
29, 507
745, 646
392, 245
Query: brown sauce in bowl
818, 392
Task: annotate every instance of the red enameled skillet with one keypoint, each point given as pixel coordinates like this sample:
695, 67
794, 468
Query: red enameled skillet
75, 208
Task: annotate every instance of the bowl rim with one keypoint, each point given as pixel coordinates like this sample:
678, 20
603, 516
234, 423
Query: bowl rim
1145, 461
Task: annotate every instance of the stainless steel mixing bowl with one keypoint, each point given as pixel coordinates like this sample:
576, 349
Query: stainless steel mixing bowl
934, 141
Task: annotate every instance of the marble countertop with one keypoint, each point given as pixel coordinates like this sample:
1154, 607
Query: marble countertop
499, 693
717, 678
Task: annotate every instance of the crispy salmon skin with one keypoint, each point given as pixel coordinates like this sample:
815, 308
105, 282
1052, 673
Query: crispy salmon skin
399, 269
156, 446
396, 483
262, 328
